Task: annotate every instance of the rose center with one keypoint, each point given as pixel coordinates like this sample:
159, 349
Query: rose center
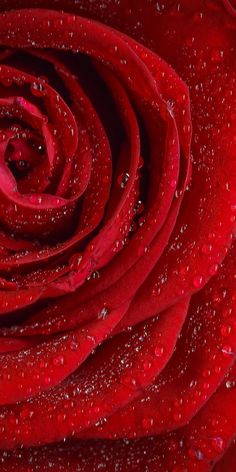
23, 155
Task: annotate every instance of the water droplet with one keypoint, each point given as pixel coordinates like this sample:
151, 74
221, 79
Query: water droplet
226, 312
103, 313
178, 193
159, 350
225, 330
230, 384
193, 383
206, 248
26, 413
198, 281
61, 417
75, 261
129, 381
217, 55
74, 345
213, 269
47, 380
139, 207
147, 365
227, 350
123, 179
199, 455
218, 444
141, 221
147, 423
59, 360
177, 416
21, 164
206, 373
173, 183
206, 385
37, 89
40, 149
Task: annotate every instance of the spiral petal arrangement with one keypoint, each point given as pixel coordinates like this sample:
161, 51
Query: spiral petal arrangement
117, 222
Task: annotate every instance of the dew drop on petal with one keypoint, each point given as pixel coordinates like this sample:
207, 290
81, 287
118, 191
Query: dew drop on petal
218, 444
225, 330
147, 365
177, 416
227, 350
213, 269
159, 350
47, 380
230, 384
123, 180
59, 360
173, 183
206, 248
147, 423
74, 345
103, 313
37, 89
198, 281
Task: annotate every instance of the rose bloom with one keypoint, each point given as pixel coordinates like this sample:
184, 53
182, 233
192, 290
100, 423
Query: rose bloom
117, 217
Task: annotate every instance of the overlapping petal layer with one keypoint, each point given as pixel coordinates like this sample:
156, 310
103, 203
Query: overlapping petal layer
117, 218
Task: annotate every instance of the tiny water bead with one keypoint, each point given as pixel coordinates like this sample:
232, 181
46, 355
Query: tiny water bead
59, 360
173, 183
177, 416
159, 351
196, 454
103, 313
226, 330
75, 261
37, 89
74, 345
147, 423
123, 180
47, 380
230, 384
19, 168
147, 365
129, 381
198, 281
199, 455
218, 444
37, 145
207, 248
227, 350
139, 207
213, 269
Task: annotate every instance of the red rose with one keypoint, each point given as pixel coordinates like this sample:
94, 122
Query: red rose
117, 210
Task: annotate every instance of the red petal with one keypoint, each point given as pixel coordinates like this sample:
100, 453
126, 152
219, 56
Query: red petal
110, 379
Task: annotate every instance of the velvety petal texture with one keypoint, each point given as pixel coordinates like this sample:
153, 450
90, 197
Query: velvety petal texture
117, 226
